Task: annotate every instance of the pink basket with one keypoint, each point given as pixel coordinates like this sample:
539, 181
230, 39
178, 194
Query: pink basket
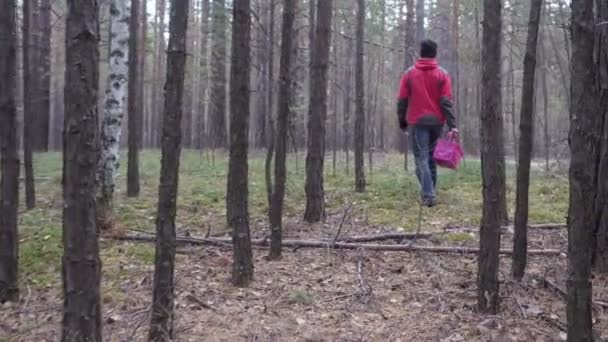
448, 153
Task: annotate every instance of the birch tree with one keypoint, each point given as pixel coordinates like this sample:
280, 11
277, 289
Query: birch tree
114, 107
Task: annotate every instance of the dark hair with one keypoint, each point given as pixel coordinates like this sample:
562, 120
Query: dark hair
428, 49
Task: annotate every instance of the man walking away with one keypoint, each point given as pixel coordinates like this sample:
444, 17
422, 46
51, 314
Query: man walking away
425, 104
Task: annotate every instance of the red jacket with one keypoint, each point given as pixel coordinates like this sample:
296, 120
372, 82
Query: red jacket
425, 94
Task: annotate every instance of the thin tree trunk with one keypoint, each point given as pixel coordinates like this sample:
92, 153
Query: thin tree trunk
28, 105
346, 123
492, 160
360, 99
217, 99
237, 193
543, 67
601, 202
270, 138
420, 34
334, 97
317, 113
526, 129
81, 264
159, 72
585, 137
43, 76
410, 55
134, 109
9, 155
116, 96
161, 325
285, 90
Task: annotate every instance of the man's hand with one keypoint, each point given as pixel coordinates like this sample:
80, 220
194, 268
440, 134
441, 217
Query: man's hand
454, 133
402, 123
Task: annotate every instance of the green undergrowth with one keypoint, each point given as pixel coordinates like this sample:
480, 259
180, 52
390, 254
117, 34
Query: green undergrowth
390, 200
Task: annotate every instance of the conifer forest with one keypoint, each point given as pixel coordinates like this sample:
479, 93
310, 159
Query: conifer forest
303, 170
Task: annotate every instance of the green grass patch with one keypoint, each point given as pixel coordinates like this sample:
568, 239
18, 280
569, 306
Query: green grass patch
391, 200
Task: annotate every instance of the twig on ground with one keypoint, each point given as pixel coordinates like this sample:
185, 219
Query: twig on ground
344, 215
365, 291
398, 237
192, 297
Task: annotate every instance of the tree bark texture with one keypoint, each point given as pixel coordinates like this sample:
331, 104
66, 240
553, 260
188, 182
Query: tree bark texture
526, 143
81, 265
317, 114
238, 189
601, 204
492, 164
161, 325
29, 87
585, 137
217, 96
159, 62
283, 110
270, 101
360, 99
420, 34
114, 109
135, 109
200, 138
9, 155
43, 77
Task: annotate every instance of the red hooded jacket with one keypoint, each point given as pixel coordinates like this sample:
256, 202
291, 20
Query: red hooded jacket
425, 95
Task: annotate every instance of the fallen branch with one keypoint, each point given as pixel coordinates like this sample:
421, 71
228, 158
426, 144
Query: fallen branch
398, 237
339, 245
564, 295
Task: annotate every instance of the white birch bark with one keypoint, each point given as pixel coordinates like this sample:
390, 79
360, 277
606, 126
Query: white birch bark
115, 102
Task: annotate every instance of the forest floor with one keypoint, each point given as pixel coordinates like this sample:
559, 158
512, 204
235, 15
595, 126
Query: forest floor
310, 294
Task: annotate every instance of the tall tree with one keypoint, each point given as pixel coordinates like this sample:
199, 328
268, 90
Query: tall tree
285, 90
238, 189
359, 99
270, 100
317, 113
420, 34
9, 155
158, 65
585, 137
410, 55
161, 325
29, 87
601, 205
217, 96
135, 107
492, 164
526, 142
81, 264
43, 77
200, 137
114, 109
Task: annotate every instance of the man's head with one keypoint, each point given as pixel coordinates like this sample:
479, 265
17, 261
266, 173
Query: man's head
428, 49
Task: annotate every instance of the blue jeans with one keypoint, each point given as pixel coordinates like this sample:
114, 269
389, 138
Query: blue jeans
423, 140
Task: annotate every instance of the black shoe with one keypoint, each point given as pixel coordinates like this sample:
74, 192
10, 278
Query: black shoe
429, 202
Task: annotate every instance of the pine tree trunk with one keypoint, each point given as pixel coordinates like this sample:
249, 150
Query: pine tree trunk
114, 109
43, 77
420, 34
200, 136
346, 121
526, 144
283, 110
159, 80
238, 190
270, 101
585, 137
217, 99
360, 99
261, 100
601, 204
492, 160
9, 155
161, 325
410, 55
81, 263
134, 109
317, 114
29, 87
545, 88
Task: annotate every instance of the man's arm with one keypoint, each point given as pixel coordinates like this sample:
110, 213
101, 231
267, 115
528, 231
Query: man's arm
402, 102
446, 104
